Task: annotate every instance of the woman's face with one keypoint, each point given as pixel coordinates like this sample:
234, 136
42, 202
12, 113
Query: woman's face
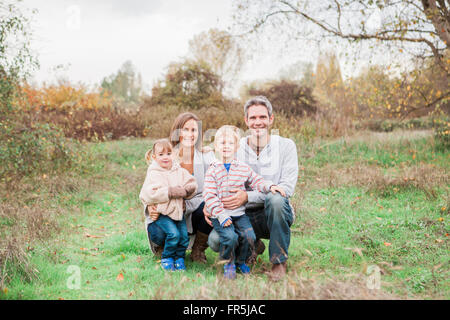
189, 134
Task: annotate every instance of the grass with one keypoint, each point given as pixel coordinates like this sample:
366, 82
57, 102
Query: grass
360, 201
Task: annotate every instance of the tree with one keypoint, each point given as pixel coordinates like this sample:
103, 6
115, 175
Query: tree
221, 52
16, 59
421, 28
126, 84
189, 84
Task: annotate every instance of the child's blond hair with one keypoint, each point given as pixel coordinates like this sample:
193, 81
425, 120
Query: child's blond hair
223, 130
166, 145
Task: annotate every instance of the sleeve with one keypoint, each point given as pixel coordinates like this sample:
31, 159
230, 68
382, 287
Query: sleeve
189, 182
289, 169
256, 182
151, 192
212, 201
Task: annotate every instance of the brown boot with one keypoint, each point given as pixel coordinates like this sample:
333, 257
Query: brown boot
199, 247
258, 249
278, 271
157, 250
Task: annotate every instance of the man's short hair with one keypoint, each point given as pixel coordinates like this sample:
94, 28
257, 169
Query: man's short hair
258, 100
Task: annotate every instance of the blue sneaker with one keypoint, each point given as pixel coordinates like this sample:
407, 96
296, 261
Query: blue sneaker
229, 271
243, 268
167, 264
179, 264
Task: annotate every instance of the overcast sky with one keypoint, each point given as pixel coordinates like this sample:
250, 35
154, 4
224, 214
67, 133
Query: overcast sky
92, 39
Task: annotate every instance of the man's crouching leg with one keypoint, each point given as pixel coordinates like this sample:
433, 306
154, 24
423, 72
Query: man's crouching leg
279, 220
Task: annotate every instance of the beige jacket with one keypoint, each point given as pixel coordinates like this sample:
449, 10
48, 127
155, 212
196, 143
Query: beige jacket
156, 189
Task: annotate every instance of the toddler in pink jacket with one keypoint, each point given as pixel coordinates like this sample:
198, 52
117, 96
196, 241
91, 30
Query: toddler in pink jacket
167, 185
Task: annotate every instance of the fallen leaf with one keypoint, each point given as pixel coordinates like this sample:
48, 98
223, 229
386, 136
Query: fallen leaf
91, 236
387, 244
378, 218
323, 209
83, 249
439, 240
123, 256
308, 252
60, 298
130, 294
94, 268
5, 290
120, 277
441, 219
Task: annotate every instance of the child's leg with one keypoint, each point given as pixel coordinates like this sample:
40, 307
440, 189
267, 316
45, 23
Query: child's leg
172, 236
183, 241
228, 240
247, 238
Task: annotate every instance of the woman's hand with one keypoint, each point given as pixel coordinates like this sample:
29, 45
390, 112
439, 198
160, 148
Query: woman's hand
154, 215
279, 189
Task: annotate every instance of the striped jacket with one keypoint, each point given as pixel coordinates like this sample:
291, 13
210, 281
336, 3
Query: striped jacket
219, 182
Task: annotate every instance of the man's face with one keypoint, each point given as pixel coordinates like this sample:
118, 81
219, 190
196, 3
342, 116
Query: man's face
258, 120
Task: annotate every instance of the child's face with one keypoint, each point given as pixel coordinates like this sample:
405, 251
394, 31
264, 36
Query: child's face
163, 157
226, 146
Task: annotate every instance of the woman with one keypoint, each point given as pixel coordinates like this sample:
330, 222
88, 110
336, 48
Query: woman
185, 136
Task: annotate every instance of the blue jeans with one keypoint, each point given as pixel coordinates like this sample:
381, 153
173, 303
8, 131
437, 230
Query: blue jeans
271, 222
176, 240
157, 235
236, 240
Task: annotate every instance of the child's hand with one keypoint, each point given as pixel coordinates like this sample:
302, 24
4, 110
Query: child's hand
177, 192
227, 223
190, 188
279, 189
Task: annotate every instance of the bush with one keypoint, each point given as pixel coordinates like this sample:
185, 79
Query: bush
288, 97
31, 149
442, 134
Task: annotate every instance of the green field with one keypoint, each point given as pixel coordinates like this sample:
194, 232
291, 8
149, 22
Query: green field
371, 200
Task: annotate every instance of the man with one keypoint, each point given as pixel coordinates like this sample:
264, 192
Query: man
275, 159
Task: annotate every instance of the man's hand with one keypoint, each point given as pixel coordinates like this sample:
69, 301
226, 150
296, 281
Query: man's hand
207, 216
235, 201
154, 215
279, 189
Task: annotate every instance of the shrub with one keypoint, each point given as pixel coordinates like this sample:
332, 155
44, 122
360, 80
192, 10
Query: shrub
288, 97
442, 134
27, 149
